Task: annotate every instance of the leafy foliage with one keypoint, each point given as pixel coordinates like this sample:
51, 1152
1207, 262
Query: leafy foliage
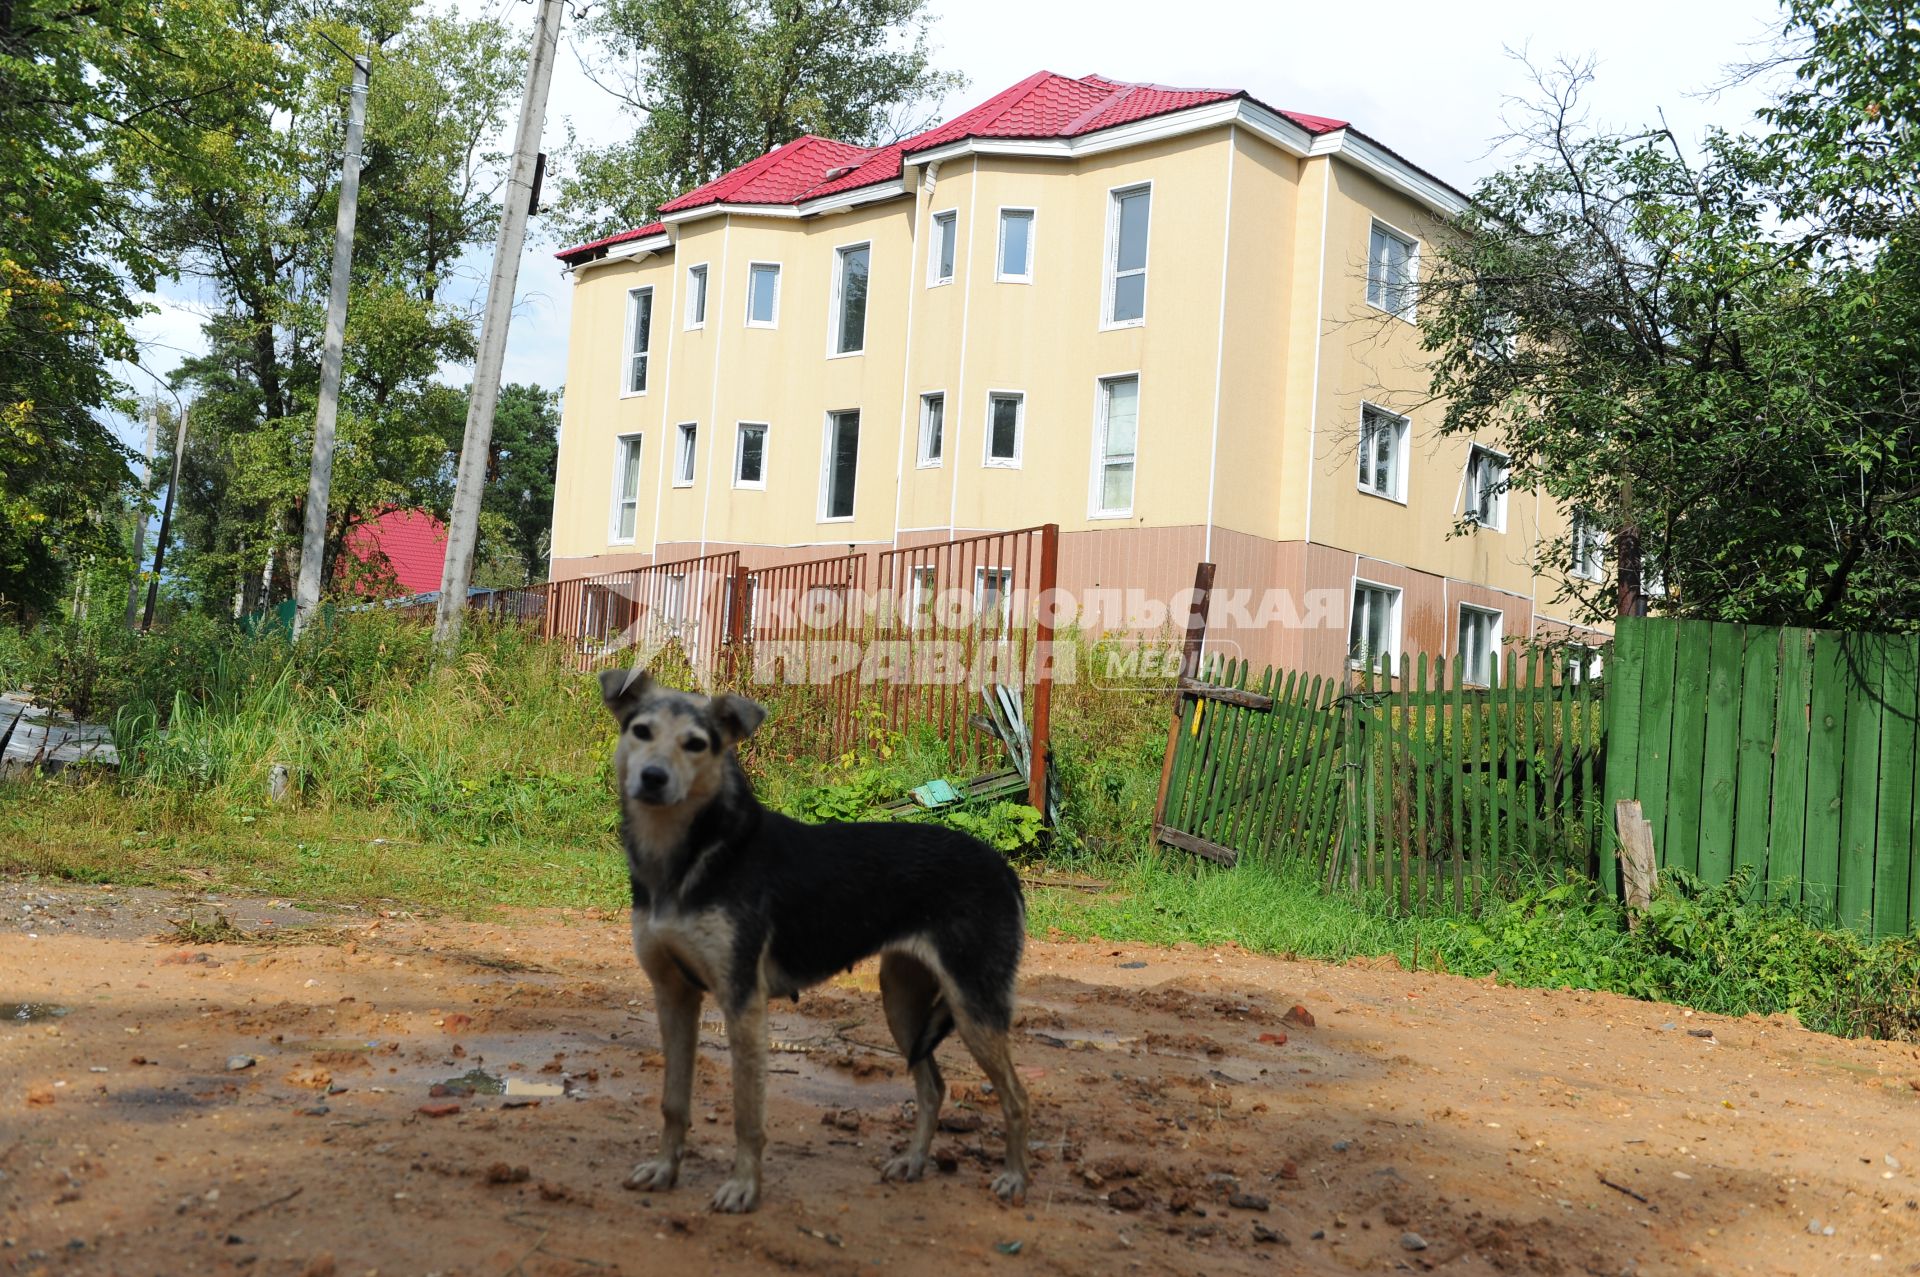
711, 84
526, 432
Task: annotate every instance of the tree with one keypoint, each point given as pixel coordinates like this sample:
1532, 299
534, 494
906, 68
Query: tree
94, 100
713, 83
260, 231
526, 432
1706, 385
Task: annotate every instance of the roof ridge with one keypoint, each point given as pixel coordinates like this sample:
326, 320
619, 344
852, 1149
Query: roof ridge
1118, 94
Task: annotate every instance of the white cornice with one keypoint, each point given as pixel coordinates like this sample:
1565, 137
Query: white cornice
835, 203
1370, 157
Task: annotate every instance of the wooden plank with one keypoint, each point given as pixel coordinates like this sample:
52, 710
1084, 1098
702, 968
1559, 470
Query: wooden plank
1406, 777
1721, 762
1531, 750
1453, 757
1638, 861
1681, 845
1792, 743
1422, 758
1661, 643
1826, 769
1279, 821
1626, 667
1893, 845
1326, 792
1252, 832
1753, 774
1258, 771
1198, 846
1231, 695
1860, 793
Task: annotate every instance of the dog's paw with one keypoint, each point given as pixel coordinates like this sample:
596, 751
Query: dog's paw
737, 1196
1010, 1187
654, 1176
906, 1168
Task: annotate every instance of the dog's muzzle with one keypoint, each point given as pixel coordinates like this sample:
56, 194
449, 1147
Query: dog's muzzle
651, 785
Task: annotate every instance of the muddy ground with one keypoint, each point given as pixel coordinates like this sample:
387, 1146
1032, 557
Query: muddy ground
168, 1107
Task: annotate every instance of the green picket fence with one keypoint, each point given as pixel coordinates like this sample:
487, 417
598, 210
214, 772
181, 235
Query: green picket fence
1788, 754
1420, 786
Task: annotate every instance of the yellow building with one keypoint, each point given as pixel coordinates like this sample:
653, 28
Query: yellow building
1178, 323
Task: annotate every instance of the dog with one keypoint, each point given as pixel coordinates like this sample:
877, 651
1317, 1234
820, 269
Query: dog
733, 899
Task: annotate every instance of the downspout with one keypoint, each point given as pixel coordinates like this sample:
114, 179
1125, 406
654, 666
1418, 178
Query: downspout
713, 399
666, 396
1319, 329
909, 421
956, 419
1220, 344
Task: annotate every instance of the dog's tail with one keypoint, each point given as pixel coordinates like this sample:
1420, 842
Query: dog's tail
938, 1025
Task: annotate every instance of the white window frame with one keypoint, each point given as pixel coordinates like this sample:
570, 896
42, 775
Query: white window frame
686, 444
925, 459
779, 274
628, 354
1000, 244
1469, 493
638, 440
700, 270
1581, 662
1005, 611
826, 468
947, 219
836, 297
1402, 432
740, 429
1109, 262
1096, 488
1586, 549
1019, 431
923, 595
1409, 308
1488, 676
1395, 596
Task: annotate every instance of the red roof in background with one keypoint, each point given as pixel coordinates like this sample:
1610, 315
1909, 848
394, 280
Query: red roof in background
1043, 105
414, 542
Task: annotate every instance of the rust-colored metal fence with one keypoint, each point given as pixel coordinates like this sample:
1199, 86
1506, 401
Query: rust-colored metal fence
803, 624
683, 605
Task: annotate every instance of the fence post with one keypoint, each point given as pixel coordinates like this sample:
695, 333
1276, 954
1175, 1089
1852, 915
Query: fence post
1196, 639
1040, 730
737, 621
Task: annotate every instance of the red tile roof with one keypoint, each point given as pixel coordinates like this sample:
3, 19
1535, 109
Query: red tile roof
1043, 105
413, 541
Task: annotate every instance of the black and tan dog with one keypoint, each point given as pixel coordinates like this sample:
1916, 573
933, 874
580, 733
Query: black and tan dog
741, 902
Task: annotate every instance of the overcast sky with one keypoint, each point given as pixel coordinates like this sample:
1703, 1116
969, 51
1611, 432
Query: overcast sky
1428, 81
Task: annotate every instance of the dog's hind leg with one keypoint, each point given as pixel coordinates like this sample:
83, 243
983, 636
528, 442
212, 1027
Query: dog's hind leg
918, 1016
991, 1050
747, 1044
676, 1005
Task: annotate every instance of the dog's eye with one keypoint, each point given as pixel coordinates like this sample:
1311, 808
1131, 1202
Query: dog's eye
642, 732
695, 744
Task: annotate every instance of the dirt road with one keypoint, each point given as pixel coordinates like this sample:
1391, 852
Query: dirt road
267, 1109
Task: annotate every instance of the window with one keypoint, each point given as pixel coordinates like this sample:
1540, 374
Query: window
1127, 256
763, 294
1383, 453
1495, 340
639, 339
992, 596
1479, 646
1485, 497
933, 427
839, 465
850, 299
750, 455
1583, 662
940, 252
697, 296
673, 601
626, 487
683, 455
1391, 262
920, 596
1016, 245
1115, 436
1005, 409
1587, 540
1373, 635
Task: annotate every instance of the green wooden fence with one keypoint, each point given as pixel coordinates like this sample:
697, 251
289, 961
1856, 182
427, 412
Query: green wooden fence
1787, 753
1421, 786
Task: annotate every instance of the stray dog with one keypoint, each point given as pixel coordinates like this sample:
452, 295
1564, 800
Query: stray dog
743, 903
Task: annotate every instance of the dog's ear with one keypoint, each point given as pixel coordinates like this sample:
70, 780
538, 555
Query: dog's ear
737, 717
622, 689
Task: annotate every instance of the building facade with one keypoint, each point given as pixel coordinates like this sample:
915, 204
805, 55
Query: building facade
1180, 324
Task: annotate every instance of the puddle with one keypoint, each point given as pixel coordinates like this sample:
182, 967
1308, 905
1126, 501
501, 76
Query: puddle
1068, 1040
29, 1012
476, 1082
323, 1046
520, 1086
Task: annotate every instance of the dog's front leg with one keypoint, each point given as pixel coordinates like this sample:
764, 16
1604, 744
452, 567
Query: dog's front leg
676, 1005
747, 1043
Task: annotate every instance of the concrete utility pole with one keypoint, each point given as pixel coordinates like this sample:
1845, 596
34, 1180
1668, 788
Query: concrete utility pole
140, 520
464, 527
313, 541
166, 522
